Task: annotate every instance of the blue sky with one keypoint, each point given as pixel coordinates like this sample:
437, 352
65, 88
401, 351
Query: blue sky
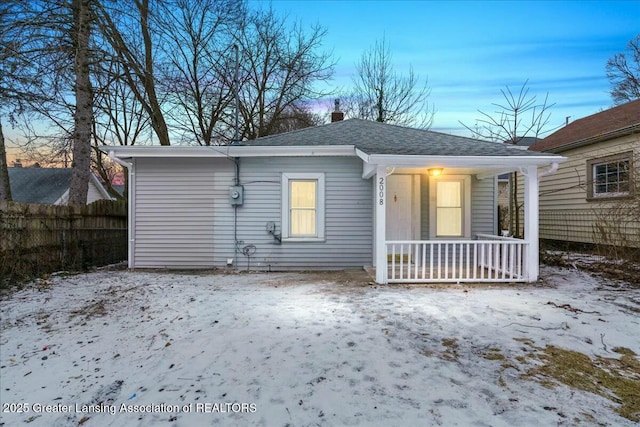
469, 50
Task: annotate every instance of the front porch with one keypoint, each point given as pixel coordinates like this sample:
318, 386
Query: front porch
488, 259
448, 233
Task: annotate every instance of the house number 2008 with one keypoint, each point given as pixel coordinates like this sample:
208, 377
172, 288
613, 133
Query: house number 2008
381, 191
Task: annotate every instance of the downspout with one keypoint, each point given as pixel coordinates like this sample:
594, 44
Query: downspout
236, 160
119, 161
552, 169
131, 202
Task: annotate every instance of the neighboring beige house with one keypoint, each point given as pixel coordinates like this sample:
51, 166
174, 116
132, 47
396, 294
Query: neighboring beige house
593, 197
49, 186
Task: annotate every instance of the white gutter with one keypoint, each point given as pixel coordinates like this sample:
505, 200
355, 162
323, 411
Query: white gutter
460, 161
229, 151
119, 161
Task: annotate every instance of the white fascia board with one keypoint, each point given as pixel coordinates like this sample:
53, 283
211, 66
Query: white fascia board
497, 162
124, 152
368, 169
364, 156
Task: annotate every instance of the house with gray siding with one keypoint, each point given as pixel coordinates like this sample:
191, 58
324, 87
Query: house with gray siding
416, 205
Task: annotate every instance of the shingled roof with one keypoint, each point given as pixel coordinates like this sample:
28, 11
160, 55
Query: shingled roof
615, 122
39, 185
382, 138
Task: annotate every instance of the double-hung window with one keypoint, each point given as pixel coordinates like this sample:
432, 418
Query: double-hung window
450, 201
609, 176
303, 206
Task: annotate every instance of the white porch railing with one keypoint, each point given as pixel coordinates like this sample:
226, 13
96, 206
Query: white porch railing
488, 259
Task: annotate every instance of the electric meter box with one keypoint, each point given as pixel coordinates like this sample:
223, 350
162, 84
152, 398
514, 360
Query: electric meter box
236, 195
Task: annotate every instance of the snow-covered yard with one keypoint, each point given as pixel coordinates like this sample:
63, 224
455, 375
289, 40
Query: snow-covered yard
124, 348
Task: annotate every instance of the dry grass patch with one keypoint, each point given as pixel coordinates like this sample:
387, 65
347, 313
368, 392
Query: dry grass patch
493, 354
616, 379
451, 351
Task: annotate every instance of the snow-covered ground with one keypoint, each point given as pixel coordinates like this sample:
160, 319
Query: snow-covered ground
120, 348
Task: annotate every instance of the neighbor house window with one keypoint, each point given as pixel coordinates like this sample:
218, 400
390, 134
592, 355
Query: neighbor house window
609, 176
450, 207
303, 206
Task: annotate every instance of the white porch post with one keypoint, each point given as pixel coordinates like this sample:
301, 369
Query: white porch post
380, 195
531, 218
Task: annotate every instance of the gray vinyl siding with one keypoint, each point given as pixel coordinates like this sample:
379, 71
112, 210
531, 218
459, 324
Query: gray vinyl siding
179, 203
183, 218
348, 215
483, 206
424, 207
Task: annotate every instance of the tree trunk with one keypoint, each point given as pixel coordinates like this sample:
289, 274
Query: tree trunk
5, 187
84, 105
157, 117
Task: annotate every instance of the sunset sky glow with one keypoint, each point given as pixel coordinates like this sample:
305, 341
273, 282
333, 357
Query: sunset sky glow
470, 50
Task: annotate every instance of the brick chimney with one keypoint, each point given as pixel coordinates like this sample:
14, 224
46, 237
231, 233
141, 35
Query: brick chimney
336, 114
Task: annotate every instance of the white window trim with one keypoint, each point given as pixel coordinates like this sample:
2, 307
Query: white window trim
591, 176
319, 177
466, 206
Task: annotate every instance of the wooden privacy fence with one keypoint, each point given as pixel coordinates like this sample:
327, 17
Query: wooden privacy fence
37, 239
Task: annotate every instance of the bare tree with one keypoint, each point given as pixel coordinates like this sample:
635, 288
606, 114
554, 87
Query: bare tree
279, 69
129, 32
383, 95
7, 73
297, 116
119, 119
623, 72
519, 116
36, 81
166, 64
83, 115
180, 54
199, 80
5, 185
47, 44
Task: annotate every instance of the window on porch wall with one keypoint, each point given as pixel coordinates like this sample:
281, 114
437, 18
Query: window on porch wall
450, 207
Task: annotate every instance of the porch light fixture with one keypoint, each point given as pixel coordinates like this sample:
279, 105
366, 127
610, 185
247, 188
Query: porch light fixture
434, 171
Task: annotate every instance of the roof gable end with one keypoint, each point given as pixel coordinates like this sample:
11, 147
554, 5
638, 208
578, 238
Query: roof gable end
614, 122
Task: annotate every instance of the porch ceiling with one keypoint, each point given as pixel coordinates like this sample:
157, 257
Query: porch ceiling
481, 173
481, 166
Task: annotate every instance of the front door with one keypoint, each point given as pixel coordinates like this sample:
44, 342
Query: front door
403, 207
